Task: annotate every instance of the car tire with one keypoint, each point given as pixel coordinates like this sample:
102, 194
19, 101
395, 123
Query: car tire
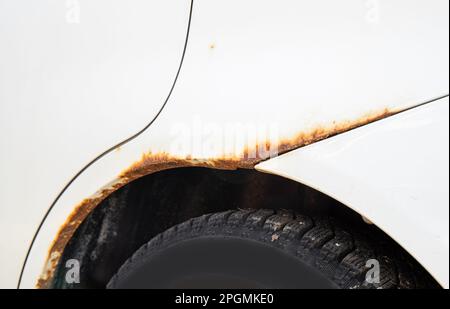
267, 249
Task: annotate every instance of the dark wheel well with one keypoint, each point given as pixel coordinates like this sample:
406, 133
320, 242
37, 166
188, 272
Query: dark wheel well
265, 248
148, 206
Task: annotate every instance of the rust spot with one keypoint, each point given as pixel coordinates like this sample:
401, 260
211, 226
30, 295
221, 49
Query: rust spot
151, 163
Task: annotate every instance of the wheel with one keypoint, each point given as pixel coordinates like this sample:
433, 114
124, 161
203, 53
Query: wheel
265, 249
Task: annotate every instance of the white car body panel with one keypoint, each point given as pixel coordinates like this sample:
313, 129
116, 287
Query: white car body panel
286, 67
394, 171
69, 90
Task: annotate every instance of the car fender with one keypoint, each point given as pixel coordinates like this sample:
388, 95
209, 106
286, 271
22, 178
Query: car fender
258, 79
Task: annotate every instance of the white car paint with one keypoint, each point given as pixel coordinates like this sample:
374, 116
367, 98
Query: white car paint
394, 171
70, 88
284, 67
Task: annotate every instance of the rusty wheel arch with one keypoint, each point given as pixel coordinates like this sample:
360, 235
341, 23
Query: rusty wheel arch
151, 163
148, 205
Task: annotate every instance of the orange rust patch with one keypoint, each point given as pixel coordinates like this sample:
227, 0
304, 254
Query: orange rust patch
68, 229
323, 132
151, 163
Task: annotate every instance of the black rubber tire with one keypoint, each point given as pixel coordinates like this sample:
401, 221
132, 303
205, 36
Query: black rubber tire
304, 252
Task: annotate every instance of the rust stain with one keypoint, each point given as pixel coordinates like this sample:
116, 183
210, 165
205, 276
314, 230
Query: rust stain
323, 132
67, 230
151, 163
